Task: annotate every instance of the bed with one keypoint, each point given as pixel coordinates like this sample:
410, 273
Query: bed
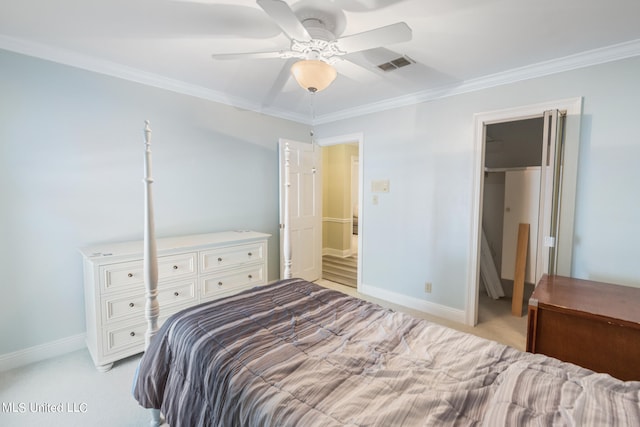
293, 353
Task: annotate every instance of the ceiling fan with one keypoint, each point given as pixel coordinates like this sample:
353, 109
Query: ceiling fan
315, 46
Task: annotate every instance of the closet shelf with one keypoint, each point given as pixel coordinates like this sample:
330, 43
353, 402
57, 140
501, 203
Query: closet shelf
517, 168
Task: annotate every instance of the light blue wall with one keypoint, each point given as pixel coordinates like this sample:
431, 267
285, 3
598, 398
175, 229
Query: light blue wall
71, 169
71, 153
421, 230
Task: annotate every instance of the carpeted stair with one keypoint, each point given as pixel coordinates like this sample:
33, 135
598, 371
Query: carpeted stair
340, 270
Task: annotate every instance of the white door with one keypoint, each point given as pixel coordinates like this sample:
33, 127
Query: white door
550, 170
305, 209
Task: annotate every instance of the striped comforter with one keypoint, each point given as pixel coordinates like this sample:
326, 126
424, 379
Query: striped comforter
296, 354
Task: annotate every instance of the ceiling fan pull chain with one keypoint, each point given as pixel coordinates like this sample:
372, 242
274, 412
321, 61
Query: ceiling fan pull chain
312, 110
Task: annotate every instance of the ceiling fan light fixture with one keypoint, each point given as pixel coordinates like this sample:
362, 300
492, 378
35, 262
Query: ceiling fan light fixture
313, 75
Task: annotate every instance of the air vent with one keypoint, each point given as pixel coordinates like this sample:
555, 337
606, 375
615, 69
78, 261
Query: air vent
403, 61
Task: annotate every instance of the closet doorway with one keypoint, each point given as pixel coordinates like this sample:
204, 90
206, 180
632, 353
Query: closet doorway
522, 176
558, 188
341, 212
511, 195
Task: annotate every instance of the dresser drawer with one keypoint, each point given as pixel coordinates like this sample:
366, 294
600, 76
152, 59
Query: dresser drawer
130, 274
176, 266
132, 305
128, 336
121, 275
121, 338
221, 258
232, 281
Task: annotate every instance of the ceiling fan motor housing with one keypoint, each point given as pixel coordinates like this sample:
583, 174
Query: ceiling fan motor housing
321, 46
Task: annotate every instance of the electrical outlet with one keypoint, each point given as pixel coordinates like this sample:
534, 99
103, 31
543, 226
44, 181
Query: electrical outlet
427, 287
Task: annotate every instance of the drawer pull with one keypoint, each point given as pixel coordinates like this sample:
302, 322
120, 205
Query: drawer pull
131, 304
219, 259
175, 267
130, 275
249, 254
133, 334
250, 276
176, 293
219, 283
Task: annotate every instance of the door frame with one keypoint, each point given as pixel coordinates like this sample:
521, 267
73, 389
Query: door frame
355, 163
564, 240
349, 139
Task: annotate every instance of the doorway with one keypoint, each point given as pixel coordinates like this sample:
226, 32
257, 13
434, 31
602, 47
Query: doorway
511, 193
340, 213
353, 216
563, 212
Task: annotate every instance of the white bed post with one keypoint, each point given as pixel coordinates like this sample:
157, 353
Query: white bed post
150, 264
287, 229
152, 309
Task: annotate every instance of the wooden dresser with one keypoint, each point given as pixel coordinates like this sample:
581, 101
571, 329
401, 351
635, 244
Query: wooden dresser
191, 269
591, 324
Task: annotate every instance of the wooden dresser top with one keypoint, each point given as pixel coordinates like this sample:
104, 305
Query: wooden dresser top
598, 299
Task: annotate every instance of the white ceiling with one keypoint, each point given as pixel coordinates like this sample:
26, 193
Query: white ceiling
458, 45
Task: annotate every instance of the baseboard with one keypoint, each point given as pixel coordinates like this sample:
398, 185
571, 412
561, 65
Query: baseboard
415, 303
42, 352
344, 253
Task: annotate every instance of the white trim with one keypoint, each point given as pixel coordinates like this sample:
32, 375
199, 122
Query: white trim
85, 62
415, 303
573, 107
336, 220
337, 252
580, 60
357, 137
42, 352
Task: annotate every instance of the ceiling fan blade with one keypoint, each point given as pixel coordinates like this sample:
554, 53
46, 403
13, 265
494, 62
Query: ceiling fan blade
249, 55
281, 80
355, 71
394, 33
280, 12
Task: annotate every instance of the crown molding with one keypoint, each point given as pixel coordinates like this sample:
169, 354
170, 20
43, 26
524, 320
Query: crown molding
85, 62
584, 59
580, 60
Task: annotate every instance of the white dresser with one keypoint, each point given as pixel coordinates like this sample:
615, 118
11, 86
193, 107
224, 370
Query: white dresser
191, 269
